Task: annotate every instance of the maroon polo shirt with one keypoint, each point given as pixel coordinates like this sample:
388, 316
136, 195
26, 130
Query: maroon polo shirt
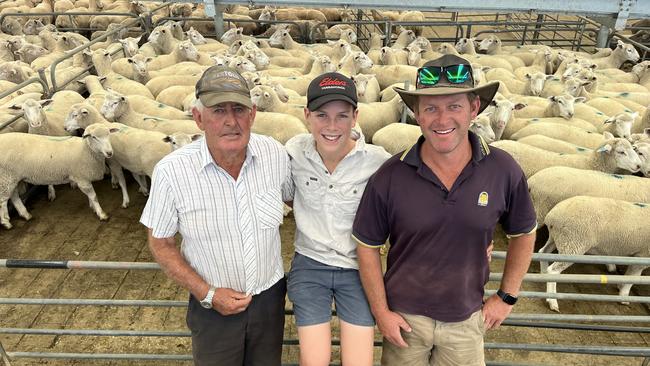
437, 263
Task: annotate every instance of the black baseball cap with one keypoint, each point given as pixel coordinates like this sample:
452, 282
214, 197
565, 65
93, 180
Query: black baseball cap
329, 87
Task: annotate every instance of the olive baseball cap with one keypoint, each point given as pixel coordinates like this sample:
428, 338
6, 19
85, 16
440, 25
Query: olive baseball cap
220, 84
329, 87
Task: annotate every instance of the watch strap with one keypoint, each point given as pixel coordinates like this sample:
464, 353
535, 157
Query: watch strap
207, 301
506, 297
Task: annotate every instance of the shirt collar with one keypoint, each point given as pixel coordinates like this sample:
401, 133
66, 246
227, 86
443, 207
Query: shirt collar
480, 150
206, 159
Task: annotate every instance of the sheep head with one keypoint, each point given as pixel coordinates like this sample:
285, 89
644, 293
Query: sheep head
114, 106
97, 138
620, 152
622, 123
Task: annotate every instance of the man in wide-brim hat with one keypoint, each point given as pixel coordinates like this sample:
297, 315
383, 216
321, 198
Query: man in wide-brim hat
439, 203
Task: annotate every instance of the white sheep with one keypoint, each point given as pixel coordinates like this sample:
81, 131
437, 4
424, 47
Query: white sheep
138, 151
571, 134
367, 87
643, 150
117, 108
619, 125
554, 145
44, 160
266, 100
373, 116
599, 226
102, 62
396, 137
623, 52
501, 112
482, 126
280, 126
517, 124
612, 155
552, 185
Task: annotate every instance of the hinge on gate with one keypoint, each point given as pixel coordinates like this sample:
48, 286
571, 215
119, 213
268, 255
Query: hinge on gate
623, 13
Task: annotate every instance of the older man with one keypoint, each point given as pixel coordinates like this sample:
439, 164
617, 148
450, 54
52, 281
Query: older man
439, 203
224, 195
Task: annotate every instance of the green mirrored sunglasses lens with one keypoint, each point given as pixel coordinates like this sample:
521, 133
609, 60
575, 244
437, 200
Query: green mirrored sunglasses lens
429, 76
457, 74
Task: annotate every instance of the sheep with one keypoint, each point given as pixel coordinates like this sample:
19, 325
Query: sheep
501, 113
404, 38
619, 125
139, 103
392, 56
492, 46
540, 64
554, 145
138, 151
117, 108
43, 160
160, 83
373, 116
579, 225
643, 123
280, 126
367, 87
552, 185
485, 60
299, 84
390, 74
396, 137
412, 16
613, 154
640, 137
482, 126
49, 121
184, 51
30, 52
266, 99
562, 132
160, 42
353, 63
80, 116
643, 150
623, 52
102, 61
518, 123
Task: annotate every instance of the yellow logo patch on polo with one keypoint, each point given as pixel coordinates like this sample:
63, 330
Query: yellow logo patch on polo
483, 199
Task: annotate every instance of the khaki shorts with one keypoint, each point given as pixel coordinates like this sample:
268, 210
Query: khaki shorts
436, 343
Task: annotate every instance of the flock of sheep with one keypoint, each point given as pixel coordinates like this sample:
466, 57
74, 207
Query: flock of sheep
576, 123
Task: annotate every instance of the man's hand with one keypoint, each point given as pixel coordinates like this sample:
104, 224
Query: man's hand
228, 301
390, 324
495, 311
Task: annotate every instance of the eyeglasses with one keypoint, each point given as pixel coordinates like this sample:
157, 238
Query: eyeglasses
429, 76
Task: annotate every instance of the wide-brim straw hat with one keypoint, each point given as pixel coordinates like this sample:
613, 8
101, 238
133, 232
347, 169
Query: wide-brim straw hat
444, 87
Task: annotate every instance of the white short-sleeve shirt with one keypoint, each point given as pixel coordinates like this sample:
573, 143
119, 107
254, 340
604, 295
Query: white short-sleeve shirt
229, 227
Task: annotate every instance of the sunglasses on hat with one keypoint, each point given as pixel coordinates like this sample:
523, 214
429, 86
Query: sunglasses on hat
429, 76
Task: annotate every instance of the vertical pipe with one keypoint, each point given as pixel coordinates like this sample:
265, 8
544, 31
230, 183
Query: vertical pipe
603, 36
407, 84
218, 19
538, 26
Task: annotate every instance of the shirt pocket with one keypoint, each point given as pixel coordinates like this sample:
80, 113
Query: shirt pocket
269, 208
312, 192
346, 206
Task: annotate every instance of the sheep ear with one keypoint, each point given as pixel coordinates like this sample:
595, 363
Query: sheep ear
608, 136
605, 148
15, 107
167, 139
579, 99
196, 136
148, 59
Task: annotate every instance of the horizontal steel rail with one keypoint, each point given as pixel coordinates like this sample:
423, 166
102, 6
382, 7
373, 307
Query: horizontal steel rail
178, 303
592, 259
573, 349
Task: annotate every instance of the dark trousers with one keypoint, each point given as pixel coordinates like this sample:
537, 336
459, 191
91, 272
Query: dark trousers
250, 338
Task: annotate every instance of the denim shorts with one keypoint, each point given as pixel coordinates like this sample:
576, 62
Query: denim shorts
313, 285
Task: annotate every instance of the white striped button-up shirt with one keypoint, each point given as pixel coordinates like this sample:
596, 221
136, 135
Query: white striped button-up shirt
229, 227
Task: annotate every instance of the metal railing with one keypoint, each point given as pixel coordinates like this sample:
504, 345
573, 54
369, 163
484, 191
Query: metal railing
554, 321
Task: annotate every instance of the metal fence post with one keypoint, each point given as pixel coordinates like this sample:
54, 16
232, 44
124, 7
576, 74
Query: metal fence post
3, 354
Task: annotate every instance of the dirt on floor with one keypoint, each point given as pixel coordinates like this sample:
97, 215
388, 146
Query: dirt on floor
67, 229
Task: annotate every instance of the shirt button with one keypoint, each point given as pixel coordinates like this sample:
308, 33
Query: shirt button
307, 183
331, 186
355, 191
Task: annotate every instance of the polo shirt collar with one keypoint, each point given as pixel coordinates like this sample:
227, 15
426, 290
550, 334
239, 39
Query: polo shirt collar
312, 154
480, 150
205, 158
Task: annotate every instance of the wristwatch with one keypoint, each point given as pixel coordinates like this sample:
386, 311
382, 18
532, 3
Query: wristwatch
207, 302
506, 297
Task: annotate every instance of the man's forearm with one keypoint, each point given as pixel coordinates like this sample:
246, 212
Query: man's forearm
372, 278
176, 267
520, 251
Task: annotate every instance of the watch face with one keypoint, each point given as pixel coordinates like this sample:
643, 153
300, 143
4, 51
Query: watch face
206, 304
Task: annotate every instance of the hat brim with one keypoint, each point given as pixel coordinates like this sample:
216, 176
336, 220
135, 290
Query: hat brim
485, 92
320, 101
212, 99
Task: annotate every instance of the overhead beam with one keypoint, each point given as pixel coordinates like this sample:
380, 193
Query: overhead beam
628, 8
